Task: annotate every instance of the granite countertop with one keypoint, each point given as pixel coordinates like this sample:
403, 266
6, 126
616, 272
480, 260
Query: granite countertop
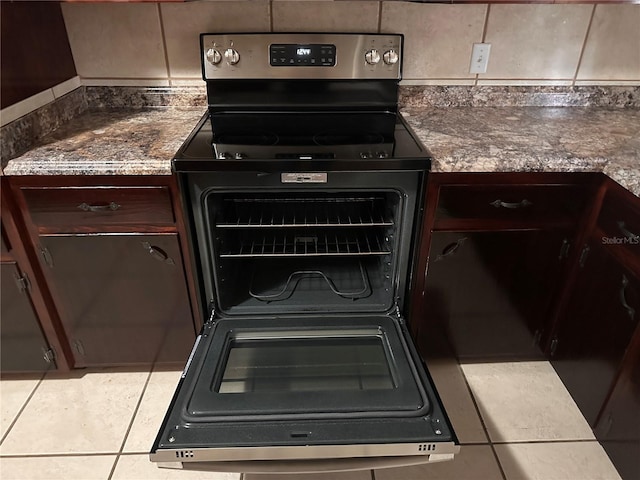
461, 139
532, 139
139, 141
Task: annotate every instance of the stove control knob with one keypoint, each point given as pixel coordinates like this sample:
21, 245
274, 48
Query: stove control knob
382, 154
372, 57
365, 155
232, 56
390, 57
213, 56
239, 156
224, 155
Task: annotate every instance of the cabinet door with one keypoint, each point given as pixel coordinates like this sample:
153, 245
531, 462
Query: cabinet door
591, 340
618, 429
23, 346
122, 298
488, 294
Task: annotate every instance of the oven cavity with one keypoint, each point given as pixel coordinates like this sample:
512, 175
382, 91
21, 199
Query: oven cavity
303, 251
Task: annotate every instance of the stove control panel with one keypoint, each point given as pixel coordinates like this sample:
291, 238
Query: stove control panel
339, 56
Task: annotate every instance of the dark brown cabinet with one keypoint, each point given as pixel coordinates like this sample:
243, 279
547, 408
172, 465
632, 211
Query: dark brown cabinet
23, 346
110, 251
596, 346
27, 340
619, 426
489, 293
593, 335
123, 298
492, 260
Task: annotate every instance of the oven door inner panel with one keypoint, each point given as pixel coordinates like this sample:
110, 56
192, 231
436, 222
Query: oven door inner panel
303, 382
304, 366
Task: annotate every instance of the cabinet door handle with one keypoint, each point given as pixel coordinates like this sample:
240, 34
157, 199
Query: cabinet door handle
109, 207
511, 205
623, 298
77, 344
157, 253
46, 256
564, 249
583, 256
451, 249
632, 237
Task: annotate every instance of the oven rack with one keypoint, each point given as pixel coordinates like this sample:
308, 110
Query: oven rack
306, 212
307, 243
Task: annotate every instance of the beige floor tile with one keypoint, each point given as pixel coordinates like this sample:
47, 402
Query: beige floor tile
525, 401
556, 461
474, 462
88, 412
356, 475
13, 395
139, 467
92, 467
457, 400
153, 407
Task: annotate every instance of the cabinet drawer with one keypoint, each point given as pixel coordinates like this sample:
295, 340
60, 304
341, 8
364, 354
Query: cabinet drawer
518, 203
619, 223
87, 207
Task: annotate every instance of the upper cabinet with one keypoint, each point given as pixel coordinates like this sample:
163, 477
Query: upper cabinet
31, 65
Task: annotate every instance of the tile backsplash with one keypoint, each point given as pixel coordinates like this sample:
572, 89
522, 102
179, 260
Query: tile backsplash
156, 44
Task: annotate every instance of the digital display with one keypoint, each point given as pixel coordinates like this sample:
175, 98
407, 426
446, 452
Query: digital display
296, 55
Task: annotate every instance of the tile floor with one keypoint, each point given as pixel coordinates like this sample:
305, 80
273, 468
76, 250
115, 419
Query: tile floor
515, 421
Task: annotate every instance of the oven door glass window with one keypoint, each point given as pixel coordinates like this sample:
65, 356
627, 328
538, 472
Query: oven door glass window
306, 364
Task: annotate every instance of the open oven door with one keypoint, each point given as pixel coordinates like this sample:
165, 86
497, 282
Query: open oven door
306, 393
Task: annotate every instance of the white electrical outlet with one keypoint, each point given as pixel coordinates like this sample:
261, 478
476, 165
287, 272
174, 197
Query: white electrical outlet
480, 57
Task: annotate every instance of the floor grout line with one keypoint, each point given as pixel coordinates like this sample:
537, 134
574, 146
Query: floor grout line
534, 442
57, 455
133, 418
482, 422
24, 405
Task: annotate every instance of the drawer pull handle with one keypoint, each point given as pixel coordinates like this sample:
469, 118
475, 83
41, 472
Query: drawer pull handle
511, 205
99, 208
623, 298
628, 234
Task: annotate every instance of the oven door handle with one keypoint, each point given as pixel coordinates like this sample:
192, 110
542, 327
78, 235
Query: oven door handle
310, 465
